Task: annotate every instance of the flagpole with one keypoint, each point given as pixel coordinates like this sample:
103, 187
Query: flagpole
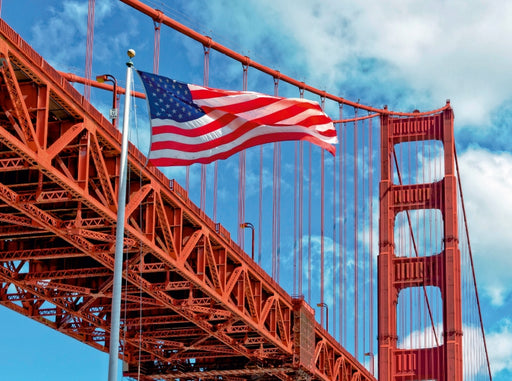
121, 206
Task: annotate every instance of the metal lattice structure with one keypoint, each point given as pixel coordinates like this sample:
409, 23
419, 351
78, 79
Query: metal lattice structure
194, 304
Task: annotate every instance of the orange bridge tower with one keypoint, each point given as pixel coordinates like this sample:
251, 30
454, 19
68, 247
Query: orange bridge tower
397, 273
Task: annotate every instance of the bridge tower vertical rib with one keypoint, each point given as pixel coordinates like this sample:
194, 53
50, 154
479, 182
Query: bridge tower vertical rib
444, 361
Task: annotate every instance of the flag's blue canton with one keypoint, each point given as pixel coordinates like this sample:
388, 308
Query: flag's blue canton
169, 99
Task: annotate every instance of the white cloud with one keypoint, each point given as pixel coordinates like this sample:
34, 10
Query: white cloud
60, 35
487, 181
62, 28
499, 344
439, 49
402, 53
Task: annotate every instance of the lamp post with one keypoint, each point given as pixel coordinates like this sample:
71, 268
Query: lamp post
250, 226
113, 111
372, 360
326, 314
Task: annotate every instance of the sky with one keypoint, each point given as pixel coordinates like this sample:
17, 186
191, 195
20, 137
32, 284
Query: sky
405, 54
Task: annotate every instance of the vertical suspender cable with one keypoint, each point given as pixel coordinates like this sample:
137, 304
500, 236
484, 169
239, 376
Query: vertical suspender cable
322, 232
141, 270
363, 224
156, 47
276, 212
345, 235
260, 205
187, 178
215, 177
310, 181
89, 48
340, 228
241, 176
295, 181
370, 229
335, 269
275, 200
241, 196
301, 210
322, 229
297, 262
274, 206
278, 233
206, 77
356, 254
301, 204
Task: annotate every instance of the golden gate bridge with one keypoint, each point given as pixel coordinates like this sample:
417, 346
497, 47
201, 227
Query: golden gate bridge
195, 306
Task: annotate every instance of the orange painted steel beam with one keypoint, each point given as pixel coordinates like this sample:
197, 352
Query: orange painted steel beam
202, 298
100, 85
159, 17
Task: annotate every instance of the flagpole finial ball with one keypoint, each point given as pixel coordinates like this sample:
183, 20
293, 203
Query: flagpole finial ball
131, 53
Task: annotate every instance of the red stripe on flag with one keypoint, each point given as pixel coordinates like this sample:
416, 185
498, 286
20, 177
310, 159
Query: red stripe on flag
205, 145
283, 114
263, 139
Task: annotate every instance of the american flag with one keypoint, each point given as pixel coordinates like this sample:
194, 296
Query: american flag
195, 124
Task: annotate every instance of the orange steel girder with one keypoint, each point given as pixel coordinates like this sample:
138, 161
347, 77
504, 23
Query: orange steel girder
194, 304
442, 270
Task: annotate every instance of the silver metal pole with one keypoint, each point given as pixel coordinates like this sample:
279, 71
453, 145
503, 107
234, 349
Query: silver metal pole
121, 208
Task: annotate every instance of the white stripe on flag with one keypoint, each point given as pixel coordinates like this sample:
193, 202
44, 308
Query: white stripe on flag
257, 132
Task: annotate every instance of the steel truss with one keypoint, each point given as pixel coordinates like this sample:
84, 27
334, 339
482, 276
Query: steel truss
194, 304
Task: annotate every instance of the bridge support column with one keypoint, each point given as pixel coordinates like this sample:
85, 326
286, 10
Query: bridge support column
395, 274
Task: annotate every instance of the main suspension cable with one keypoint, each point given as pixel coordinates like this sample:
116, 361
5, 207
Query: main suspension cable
205, 40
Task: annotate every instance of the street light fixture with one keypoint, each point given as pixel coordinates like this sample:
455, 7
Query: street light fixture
372, 361
326, 314
250, 226
114, 110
